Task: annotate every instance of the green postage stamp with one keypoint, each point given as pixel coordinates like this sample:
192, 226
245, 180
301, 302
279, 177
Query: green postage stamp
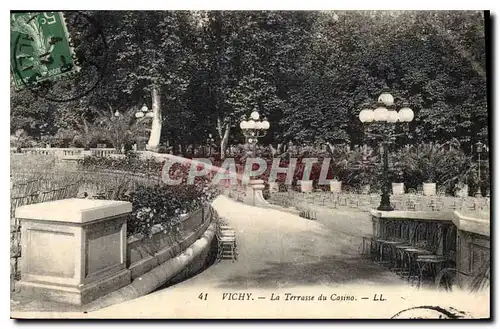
40, 48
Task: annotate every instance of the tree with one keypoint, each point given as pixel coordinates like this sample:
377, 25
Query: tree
145, 62
246, 62
310, 73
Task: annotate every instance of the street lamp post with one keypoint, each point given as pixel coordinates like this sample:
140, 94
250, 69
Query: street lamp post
383, 115
210, 142
253, 129
143, 113
479, 149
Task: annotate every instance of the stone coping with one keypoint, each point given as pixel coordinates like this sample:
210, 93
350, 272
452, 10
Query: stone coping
420, 215
74, 210
472, 224
463, 222
483, 215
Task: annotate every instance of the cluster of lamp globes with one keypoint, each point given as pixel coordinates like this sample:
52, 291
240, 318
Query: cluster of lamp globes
139, 114
143, 112
382, 114
254, 123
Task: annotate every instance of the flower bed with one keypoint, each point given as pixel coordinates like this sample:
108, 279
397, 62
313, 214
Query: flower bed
153, 202
130, 163
164, 206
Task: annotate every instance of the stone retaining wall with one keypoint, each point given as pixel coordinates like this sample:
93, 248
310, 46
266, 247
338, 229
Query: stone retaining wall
193, 259
144, 254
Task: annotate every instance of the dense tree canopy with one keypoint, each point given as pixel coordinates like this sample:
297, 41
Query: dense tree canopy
309, 72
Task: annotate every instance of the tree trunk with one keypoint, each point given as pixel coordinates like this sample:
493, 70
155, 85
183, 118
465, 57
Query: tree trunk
154, 137
219, 127
273, 150
224, 141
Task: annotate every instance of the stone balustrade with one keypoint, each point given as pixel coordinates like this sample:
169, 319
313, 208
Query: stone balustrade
65, 152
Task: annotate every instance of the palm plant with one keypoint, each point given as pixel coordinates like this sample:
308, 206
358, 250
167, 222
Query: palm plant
434, 163
339, 162
120, 129
87, 133
363, 166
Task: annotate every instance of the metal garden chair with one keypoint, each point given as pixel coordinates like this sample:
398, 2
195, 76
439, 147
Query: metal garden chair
428, 237
226, 243
429, 265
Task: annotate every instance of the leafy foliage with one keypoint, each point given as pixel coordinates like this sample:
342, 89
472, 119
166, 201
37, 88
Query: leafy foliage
130, 164
163, 205
436, 163
309, 72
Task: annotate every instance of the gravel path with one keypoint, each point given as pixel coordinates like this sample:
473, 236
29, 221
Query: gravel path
277, 251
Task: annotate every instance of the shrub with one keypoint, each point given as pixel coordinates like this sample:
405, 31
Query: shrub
162, 204
131, 163
158, 203
435, 163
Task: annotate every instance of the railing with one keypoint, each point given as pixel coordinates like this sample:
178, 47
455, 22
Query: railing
63, 152
100, 152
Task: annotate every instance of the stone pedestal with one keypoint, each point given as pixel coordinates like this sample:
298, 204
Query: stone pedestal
253, 195
73, 250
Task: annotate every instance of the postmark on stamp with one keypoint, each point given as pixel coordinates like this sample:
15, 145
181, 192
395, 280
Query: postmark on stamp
57, 56
40, 48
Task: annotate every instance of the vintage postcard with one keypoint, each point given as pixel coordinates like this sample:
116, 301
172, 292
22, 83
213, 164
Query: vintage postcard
272, 164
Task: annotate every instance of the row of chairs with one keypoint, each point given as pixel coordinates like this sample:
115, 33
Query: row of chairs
365, 202
416, 251
285, 201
